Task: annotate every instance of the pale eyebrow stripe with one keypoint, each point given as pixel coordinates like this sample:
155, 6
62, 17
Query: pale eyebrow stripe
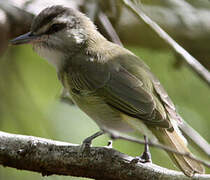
43, 29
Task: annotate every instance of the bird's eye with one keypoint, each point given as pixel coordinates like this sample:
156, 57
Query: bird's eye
55, 28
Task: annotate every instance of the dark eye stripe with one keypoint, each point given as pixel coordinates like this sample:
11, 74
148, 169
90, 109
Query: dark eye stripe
55, 28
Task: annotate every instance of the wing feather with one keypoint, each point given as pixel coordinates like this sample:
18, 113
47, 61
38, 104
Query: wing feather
127, 86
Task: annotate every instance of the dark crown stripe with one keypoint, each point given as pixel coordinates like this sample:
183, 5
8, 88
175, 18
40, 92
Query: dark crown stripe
46, 16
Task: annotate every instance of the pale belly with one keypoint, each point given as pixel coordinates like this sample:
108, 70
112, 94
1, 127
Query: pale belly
109, 119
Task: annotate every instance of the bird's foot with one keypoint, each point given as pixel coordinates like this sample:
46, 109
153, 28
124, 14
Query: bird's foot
146, 156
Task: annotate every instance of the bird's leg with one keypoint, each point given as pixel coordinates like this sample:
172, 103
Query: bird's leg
87, 142
146, 156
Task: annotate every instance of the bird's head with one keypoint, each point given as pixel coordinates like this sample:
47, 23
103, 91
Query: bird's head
58, 32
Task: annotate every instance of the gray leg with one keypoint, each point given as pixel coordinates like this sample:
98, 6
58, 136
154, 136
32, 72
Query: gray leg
146, 156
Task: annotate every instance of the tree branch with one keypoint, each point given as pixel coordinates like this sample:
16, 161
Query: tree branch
191, 61
53, 157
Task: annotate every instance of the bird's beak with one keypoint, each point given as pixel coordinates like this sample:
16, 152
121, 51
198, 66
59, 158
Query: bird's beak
24, 39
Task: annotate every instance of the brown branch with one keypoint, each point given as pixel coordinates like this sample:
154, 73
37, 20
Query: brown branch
52, 157
191, 61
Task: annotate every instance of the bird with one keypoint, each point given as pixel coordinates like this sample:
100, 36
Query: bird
113, 86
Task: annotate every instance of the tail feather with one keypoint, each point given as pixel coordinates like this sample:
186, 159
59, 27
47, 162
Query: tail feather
174, 141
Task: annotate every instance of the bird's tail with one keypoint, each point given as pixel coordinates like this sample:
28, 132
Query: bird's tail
174, 141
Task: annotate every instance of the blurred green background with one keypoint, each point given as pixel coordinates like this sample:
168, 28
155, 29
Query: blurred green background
30, 104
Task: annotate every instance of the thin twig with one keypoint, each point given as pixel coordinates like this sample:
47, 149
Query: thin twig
160, 146
195, 139
191, 61
109, 28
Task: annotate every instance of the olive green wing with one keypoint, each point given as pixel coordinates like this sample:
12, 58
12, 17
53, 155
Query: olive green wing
127, 89
164, 104
133, 95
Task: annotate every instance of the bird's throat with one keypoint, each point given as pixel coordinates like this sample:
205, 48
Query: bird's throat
54, 57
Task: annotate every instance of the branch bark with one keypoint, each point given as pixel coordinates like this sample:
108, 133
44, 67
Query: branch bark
53, 157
